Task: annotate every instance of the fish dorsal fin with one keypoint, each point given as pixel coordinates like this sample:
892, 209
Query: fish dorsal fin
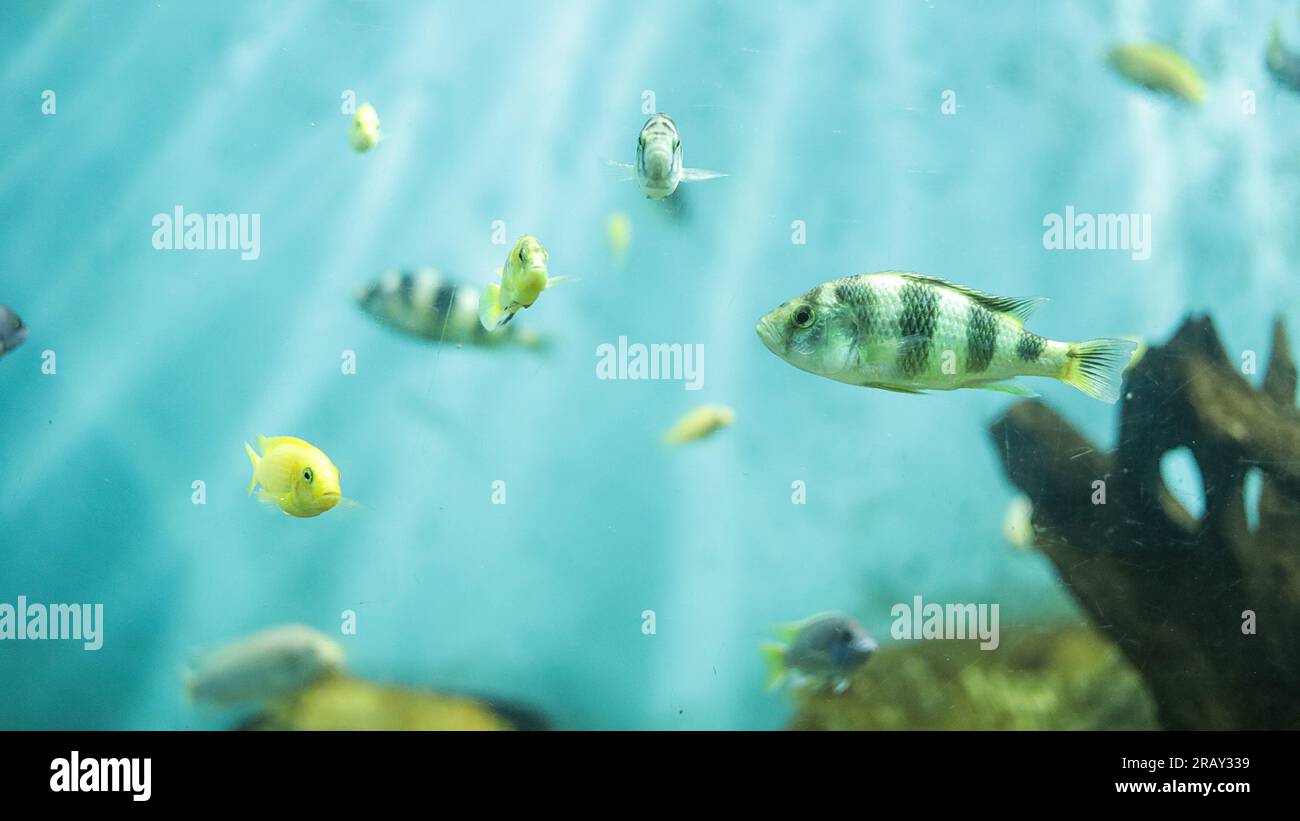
787, 631
1018, 308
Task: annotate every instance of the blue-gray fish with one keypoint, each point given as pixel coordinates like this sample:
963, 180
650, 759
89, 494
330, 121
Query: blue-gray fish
12, 330
659, 168
266, 666
824, 649
912, 333
426, 304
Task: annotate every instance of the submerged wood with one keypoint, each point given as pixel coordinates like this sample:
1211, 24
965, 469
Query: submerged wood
1176, 592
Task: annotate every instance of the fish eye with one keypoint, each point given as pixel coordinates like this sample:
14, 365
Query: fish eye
803, 316
523, 253
308, 474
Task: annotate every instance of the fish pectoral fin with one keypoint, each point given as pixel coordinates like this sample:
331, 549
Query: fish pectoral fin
699, 174
489, 307
507, 315
1013, 388
624, 171
551, 282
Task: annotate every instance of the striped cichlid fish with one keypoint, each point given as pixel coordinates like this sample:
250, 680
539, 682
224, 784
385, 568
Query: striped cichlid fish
659, 168
424, 303
911, 333
12, 330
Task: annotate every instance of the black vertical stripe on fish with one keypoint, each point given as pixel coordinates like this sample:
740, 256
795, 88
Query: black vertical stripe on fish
916, 324
443, 298
981, 338
859, 299
406, 287
1030, 346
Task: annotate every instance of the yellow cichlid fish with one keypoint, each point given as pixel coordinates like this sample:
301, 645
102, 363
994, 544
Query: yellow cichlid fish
1159, 69
364, 132
523, 278
705, 420
294, 476
618, 233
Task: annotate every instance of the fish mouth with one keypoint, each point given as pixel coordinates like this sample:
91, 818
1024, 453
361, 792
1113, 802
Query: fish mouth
769, 335
865, 647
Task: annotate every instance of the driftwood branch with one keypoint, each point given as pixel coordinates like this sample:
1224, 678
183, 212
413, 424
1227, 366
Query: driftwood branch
1170, 589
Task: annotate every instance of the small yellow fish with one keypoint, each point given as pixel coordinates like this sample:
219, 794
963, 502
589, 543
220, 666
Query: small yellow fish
523, 278
1018, 524
295, 476
618, 232
364, 133
1159, 69
699, 423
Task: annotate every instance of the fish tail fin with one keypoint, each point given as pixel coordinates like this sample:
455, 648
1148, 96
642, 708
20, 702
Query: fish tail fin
489, 306
254, 458
774, 661
1096, 367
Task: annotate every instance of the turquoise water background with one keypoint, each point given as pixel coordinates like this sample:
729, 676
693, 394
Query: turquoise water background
829, 113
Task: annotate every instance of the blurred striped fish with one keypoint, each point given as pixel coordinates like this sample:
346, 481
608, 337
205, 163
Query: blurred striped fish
12, 330
1283, 64
424, 303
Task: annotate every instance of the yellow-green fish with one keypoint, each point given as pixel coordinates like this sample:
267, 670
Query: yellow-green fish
1283, 64
364, 132
1158, 68
424, 303
911, 333
703, 421
618, 233
294, 475
523, 278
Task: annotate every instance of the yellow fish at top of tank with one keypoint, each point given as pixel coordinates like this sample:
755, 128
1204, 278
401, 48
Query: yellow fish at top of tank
364, 132
294, 475
1160, 69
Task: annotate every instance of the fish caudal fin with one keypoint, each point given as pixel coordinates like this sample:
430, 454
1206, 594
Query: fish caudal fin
774, 660
254, 458
1096, 367
489, 307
